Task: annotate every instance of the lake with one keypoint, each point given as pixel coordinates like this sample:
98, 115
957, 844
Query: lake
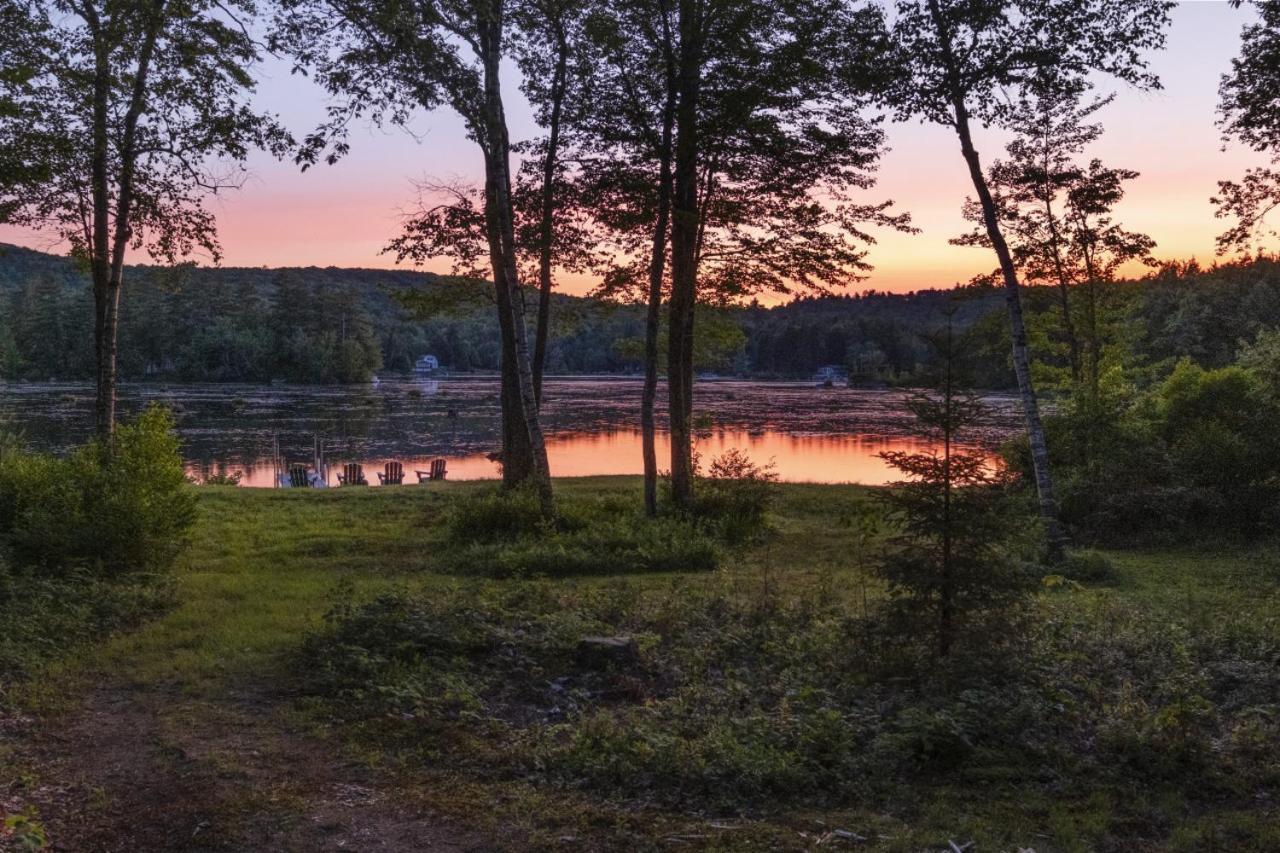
811, 434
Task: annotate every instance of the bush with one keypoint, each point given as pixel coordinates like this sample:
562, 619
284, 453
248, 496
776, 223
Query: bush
493, 516
503, 534
622, 546
735, 496
127, 510
1197, 452
1087, 567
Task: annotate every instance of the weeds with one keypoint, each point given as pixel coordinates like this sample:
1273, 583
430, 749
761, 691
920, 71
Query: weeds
733, 703
43, 618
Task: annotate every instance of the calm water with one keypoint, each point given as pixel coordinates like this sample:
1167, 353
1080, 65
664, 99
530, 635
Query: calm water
831, 435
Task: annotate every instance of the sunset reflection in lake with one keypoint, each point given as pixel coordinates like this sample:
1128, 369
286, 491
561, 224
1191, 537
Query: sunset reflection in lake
797, 458
812, 434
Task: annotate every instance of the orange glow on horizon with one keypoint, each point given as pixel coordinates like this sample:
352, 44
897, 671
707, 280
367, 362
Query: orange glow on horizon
343, 215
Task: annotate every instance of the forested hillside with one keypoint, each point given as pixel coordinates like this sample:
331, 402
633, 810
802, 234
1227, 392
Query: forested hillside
341, 325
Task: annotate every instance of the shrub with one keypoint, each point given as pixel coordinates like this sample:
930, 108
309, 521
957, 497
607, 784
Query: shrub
503, 534
627, 545
1197, 452
735, 496
1087, 567
1218, 428
126, 510
734, 703
493, 516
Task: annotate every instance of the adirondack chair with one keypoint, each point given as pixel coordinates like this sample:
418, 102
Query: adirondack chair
298, 477
352, 475
393, 475
437, 471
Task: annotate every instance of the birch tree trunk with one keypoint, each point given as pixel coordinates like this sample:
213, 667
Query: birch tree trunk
1013, 301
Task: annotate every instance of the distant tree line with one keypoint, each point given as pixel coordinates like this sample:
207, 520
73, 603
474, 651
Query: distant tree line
334, 325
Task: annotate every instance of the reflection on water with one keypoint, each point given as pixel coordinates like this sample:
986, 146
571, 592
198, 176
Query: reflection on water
797, 458
812, 434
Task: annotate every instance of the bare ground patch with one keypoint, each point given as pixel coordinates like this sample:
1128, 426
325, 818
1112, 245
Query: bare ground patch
146, 769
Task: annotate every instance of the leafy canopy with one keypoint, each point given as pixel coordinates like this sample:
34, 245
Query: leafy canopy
175, 79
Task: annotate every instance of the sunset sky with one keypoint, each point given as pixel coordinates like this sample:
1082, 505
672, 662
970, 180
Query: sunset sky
343, 215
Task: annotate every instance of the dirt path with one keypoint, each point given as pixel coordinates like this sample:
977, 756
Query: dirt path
138, 769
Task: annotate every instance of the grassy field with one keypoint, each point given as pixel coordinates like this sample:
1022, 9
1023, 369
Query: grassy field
221, 691
264, 565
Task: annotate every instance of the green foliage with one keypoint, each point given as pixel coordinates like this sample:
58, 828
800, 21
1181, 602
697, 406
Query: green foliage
84, 541
10, 355
23, 831
1197, 452
43, 618
117, 511
503, 534
177, 82
495, 516
1087, 567
759, 691
1144, 326
733, 702
1248, 111
734, 497
1220, 435
719, 345
1261, 357
1203, 314
950, 575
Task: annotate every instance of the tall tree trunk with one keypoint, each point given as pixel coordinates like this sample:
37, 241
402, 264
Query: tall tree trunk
503, 250
684, 267
110, 244
100, 247
657, 271
517, 452
546, 227
1018, 331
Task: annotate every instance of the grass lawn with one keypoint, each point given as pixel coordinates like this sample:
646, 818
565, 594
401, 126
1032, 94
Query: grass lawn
265, 566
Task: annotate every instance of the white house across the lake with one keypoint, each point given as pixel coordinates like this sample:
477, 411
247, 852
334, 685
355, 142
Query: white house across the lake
426, 364
831, 374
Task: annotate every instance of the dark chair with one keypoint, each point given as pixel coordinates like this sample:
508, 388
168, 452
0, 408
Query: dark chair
437, 471
352, 475
298, 478
393, 475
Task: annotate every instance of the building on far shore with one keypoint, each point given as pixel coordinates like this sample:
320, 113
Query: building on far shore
426, 364
831, 374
